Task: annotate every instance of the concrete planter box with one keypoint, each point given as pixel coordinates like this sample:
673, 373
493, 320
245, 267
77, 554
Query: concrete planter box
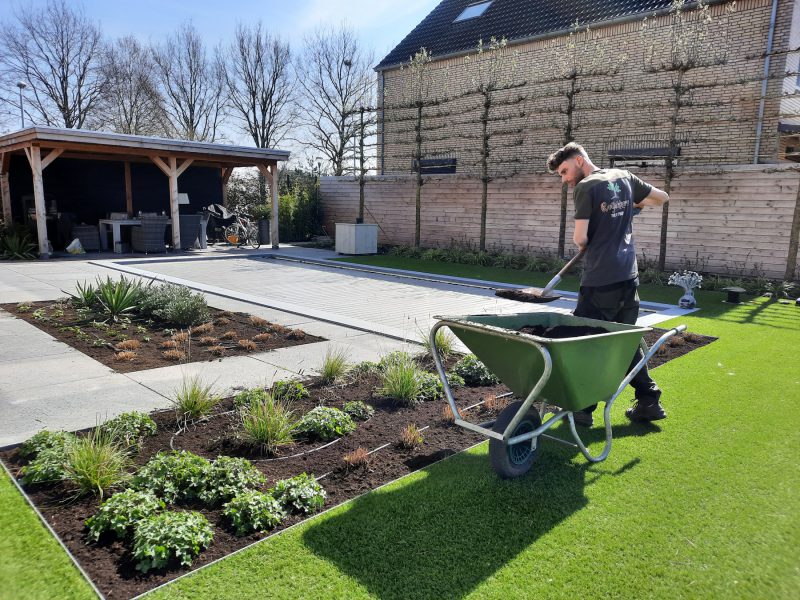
352, 238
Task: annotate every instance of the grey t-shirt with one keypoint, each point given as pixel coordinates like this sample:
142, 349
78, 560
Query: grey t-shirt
606, 197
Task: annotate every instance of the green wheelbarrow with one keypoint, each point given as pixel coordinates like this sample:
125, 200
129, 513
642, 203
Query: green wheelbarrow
571, 373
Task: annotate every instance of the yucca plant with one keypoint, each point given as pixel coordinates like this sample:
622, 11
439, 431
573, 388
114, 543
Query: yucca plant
268, 424
17, 246
193, 400
334, 365
85, 295
118, 298
96, 462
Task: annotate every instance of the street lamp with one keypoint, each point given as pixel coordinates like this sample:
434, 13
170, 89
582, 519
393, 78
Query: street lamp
21, 85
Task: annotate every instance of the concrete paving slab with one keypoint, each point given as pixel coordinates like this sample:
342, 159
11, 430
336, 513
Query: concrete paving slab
44, 370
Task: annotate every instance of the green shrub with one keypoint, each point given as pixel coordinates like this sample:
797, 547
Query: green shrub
44, 440
299, 494
118, 298
131, 428
193, 399
96, 462
289, 390
359, 410
268, 425
253, 511
430, 386
261, 211
334, 365
49, 466
366, 367
229, 477
325, 423
175, 304
250, 397
166, 536
394, 358
175, 476
121, 512
401, 381
474, 372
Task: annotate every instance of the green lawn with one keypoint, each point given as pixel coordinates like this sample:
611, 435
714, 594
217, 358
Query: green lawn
704, 505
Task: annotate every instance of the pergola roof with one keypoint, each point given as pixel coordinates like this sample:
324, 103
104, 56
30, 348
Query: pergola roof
100, 143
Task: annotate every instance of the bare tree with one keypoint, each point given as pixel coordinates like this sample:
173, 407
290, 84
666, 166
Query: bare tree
335, 75
191, 85
260, 85
56, 52
131, 102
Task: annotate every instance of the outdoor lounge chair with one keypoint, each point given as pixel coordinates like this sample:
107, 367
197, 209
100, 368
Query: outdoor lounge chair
190, 230
149, 236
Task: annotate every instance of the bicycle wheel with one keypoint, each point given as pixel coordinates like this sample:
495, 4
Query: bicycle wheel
252, 237
235, 234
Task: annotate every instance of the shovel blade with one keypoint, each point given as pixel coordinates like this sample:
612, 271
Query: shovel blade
531, 294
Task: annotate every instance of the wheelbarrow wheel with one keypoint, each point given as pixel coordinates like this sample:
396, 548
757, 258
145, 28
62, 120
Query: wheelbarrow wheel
514, 461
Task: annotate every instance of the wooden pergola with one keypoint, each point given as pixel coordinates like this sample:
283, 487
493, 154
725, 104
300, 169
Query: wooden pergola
43, 145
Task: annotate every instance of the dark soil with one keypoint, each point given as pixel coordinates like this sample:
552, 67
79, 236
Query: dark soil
102, 341
561, 331
110, 565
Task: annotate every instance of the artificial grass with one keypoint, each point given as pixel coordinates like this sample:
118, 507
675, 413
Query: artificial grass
702, 505
32, 564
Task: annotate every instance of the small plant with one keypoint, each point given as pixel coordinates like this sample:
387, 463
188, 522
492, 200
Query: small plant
170, 535
173, 355
23, 307
248, 345
129, 345
44, 440
222, 321
17, 246
334, 365
175, 304
688, 280
357, 458
194, 399
228, 335
181, 337
96, 462
119, 298
364, 368
447, 414
393, 358
253, 511
251, 396
173, 477
411, 437
217, 350
202, 329
207, 340
131, 428
125, 356
474, 372
279, 329
296, 334
289, 390
430, 386
169, 345
401, 380
361, 411
46, 452
676, 341
300, 494
493, 403
445, 342
228, 477
268, 424
85, 295
121, 512
259, 322
325, 423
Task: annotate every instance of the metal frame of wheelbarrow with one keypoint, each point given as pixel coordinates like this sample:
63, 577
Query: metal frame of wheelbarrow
505, 437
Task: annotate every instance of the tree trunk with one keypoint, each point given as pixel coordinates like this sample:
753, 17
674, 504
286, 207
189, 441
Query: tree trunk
418, 192
484, 166
562, 222
670, 168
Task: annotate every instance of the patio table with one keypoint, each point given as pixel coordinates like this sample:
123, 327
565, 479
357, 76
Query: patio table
116, 226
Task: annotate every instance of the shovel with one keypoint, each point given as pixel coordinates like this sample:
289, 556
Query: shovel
539, 295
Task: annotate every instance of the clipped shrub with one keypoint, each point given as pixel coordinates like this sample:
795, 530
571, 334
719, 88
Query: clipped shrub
130, 428
217, 350
207, 340
125, 356
173, 355
253, 511
300, 494
194, 399
202, 329
171, 535
262, 337
296, 334
96, 462
175, 304
128, 345
474, 372
267, 424
228, 477
227, 335
121, 512
289, 390
325, 423
259, 322
174, 476
361, 411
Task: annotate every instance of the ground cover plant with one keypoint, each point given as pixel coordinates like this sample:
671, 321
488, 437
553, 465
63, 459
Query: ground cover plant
240, 491
129, 326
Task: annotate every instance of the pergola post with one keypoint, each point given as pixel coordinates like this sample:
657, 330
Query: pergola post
128, 189
5, 190
173, 171
270, 173
35, 159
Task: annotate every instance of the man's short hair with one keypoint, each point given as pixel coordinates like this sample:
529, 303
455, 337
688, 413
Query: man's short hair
559, 156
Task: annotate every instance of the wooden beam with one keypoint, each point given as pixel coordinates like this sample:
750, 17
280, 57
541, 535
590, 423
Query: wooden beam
52, 155
173, 203
28, 154
5, 190
5, 162
270, 173
128, 189
38, 199
185, 165
162, 165
226, 175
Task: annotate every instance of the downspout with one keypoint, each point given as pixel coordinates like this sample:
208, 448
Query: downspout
760, 125
383, 119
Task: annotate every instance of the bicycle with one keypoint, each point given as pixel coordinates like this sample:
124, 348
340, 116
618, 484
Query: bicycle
242, 232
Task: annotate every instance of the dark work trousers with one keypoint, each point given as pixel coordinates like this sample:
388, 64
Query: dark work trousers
619, 302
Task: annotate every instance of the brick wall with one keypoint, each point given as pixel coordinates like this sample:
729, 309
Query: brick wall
625, 97
736, 221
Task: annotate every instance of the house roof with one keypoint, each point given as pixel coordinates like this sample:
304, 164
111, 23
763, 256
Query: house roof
100, 142
514, 20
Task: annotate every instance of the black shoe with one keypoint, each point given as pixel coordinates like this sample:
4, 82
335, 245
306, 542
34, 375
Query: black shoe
644, 413
583, 418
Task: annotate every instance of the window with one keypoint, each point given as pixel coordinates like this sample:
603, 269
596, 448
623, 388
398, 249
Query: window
472, 11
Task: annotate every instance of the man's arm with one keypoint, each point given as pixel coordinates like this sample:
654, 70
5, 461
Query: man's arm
656, 197
581, 233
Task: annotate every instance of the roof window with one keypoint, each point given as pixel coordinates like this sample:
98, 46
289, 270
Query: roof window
472, 11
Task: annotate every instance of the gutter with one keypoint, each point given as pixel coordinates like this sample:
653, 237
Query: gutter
762, 102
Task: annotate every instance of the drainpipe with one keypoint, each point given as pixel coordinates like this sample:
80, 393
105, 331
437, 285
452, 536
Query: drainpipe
383, 118
761, 104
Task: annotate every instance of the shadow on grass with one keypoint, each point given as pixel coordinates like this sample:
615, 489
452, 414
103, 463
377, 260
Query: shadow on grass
457, 524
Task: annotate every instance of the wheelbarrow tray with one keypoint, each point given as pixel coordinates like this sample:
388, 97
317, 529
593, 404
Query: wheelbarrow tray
586, 370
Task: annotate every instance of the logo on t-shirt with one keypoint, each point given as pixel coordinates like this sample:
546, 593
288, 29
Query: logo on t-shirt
617, 206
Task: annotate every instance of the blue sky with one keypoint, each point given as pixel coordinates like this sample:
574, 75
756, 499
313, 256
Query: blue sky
381, 24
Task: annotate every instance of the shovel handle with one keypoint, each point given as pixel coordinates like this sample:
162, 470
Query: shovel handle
554, 281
